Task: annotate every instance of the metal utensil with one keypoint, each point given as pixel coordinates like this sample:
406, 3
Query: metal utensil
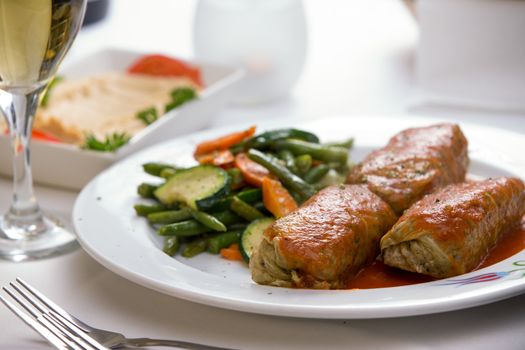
54, 328
106, 338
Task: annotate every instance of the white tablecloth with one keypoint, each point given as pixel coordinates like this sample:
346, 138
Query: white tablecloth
360, 62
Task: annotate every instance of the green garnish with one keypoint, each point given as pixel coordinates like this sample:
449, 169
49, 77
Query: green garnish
148, 116
180, 96
47, 94
110, 144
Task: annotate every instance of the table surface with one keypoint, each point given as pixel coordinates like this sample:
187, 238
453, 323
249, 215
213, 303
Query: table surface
364, 51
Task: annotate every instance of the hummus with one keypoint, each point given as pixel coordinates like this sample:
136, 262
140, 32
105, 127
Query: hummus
104, 104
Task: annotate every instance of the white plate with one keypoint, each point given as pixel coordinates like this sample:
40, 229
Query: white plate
69, 166
109, 231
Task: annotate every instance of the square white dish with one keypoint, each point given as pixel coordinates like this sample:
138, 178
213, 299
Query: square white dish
68, 166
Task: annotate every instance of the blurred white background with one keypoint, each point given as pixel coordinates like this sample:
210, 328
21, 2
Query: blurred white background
360, 59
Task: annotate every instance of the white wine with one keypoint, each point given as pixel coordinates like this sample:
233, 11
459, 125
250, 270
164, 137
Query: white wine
24, 33
34, 37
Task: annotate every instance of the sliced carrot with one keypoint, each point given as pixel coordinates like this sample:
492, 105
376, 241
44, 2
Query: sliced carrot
218, 158
252, 172
224, 157
232, 252
39, 135
205, 158
224, 142
276, 198
42, 136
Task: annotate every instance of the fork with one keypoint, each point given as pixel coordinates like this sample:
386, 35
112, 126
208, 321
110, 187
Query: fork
105, 338
58, 331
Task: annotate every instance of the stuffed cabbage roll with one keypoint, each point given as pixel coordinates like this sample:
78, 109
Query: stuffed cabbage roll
325, 241
450, 232
415, 162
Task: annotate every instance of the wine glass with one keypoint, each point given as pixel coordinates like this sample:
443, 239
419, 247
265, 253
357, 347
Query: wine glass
35, 35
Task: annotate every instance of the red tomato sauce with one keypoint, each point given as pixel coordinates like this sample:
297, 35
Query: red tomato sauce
379, 275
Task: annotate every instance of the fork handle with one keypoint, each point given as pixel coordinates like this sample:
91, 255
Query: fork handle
140, 342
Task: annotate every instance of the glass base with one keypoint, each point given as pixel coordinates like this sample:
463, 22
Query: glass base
41, 238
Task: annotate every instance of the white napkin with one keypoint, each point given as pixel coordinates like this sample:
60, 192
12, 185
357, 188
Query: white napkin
471, 53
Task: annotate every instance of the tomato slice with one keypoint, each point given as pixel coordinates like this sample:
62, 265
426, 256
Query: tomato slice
160, 65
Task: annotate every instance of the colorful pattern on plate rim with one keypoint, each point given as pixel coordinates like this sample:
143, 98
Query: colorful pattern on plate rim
491, 276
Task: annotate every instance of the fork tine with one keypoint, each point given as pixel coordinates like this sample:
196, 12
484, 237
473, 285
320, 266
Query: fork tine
72, 339
72, 327
56, 316
53, 339
66, 338
27, 296
46, 324
21, 302
47, 302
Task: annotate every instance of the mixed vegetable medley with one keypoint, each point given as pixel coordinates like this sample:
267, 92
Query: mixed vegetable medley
242, 184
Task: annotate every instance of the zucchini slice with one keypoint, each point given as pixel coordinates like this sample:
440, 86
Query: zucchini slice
197, 187
253, 235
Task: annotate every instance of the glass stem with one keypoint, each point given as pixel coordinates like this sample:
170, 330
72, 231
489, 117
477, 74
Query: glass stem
19, 107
